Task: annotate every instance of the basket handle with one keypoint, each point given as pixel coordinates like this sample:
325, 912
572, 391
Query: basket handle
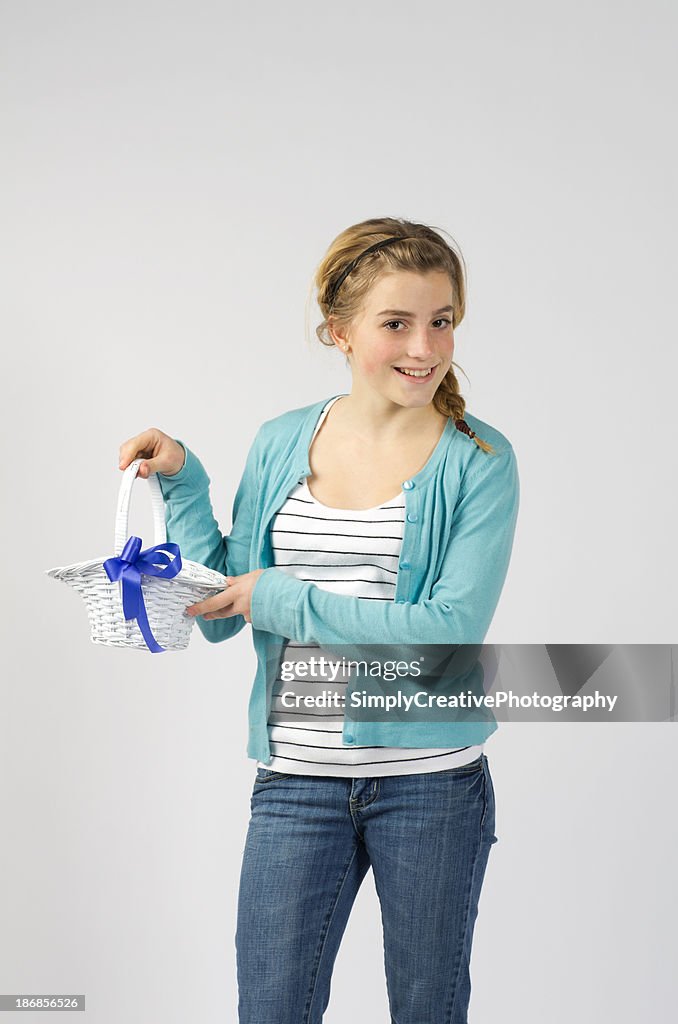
122, 512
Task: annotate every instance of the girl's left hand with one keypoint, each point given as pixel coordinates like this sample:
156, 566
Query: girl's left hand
235, 600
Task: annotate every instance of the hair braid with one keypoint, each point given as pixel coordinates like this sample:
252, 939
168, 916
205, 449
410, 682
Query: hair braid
448, 400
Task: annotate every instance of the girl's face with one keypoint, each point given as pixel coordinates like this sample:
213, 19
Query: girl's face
406, 324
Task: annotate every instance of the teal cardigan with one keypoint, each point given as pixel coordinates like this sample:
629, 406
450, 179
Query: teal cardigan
460, 518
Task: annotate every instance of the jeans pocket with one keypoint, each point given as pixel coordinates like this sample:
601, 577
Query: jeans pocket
464, 769
265, 775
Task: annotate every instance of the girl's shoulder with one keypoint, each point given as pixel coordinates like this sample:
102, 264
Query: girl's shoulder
468, 464
288, 424
487, 432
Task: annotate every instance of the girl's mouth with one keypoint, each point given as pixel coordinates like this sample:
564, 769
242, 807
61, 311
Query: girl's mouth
417, 377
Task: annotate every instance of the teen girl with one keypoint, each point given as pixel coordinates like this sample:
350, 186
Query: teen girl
382, 516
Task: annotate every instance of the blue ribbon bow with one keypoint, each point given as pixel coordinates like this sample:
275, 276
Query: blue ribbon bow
162, 560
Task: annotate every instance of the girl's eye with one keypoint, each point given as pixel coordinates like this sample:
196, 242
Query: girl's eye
441, 320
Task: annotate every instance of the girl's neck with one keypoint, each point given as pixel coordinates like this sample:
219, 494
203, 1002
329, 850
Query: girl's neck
383, 421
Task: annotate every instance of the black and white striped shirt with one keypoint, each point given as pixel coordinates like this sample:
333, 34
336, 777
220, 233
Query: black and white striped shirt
352, 552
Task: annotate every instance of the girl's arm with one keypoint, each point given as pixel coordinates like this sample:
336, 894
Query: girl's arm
463, 599
191, 524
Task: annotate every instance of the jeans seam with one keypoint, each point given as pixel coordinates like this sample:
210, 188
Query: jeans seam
324, 932
469, 891
467, 909
486, 797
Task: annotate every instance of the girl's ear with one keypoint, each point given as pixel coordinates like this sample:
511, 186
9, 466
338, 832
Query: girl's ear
337, 334
340, 342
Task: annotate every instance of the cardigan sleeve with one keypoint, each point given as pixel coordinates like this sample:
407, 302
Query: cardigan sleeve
191, 524
462, 601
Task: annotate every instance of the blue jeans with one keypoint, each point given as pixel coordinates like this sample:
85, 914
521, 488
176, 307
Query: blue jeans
311, 841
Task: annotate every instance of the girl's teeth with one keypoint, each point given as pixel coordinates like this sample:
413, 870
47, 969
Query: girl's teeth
414, 373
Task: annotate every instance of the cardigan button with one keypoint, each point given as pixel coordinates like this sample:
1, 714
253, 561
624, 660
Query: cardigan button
408, 484
404, 565
412, 517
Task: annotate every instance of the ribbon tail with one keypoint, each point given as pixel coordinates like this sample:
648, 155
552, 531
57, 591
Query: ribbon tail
142, 621
132, 598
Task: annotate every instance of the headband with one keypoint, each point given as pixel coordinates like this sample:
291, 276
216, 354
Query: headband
354, 262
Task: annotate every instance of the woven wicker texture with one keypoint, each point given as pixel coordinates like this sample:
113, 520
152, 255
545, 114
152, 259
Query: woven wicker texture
166, 600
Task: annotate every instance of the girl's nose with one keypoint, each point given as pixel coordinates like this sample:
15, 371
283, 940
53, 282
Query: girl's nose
420, 345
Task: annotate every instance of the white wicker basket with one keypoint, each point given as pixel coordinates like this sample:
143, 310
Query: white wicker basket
165, 600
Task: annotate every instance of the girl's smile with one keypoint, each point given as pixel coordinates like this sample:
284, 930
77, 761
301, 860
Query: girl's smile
416, 376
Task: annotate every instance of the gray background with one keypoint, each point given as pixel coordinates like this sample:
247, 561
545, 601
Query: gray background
173, 172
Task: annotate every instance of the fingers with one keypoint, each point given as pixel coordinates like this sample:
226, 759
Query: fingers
147, 467
219, 603
157, 452
143, 445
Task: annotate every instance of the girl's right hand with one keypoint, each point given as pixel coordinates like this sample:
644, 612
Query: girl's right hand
161, 453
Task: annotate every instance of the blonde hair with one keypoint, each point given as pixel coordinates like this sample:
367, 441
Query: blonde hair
421, 250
